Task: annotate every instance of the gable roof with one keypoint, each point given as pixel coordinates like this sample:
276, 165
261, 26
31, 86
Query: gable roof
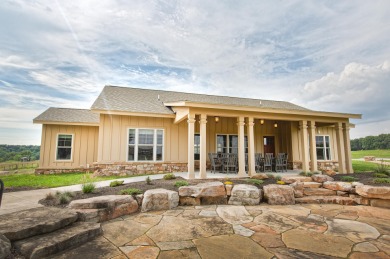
66, 115
126, 99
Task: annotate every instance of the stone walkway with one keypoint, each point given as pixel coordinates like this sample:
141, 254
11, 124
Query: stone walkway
223, 231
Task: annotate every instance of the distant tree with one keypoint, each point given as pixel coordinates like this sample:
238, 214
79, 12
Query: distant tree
371, 142
15, 152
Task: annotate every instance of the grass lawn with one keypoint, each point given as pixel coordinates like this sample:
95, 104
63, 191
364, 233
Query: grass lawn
361, 166
48, 181
381, 153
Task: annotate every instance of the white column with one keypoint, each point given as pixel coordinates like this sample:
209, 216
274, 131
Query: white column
191, 135
203, 156
304, 146
340, 147
347, 145
251, 147
241, 147
313, 153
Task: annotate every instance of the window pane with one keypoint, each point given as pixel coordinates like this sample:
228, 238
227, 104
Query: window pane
159, 153
319, 141
320, 154
132, 136
145, 136
64, 153
145, 153
221, 143
130, 156
328, 157
64, 140
159, 137
327, 141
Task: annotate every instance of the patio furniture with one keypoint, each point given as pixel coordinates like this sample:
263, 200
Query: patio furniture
281, 162
215, 162
268, 159
229, 163
259, 162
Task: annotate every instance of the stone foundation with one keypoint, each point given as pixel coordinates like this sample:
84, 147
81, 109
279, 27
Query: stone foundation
138, 168
63, 171
322, 165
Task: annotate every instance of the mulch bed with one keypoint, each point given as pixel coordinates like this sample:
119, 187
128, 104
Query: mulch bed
364, 178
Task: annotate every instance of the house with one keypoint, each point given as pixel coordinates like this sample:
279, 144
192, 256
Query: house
134, 131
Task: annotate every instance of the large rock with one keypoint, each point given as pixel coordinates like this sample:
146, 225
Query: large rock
279, 194
380, 203
209, 189
338, 186
260, 176
312, 184
326, 200
298, 189
244, 194
376, 192
160, 199
37, 221
5, 247
321, 178
318, 192
291, 179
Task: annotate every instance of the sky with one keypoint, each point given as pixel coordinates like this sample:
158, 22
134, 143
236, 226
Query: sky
324, 55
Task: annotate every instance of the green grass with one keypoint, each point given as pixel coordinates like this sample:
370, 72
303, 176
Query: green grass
348, 179
181, 183
361, 166
381, 153
49, 181
130, 191
381, 180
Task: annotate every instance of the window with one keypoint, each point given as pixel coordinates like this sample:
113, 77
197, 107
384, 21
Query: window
197, 146
64, 147
229, 144
145, 145
323, 148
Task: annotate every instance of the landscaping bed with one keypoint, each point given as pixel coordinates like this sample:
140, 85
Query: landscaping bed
367, 178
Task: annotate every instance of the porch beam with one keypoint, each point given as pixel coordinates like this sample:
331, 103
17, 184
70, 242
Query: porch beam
251, 147
241, 147
347, 146
203, 157
304, 145
313, 153
191, 135
340, 147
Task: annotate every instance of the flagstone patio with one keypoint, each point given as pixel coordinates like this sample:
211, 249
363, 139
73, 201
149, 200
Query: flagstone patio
264, 231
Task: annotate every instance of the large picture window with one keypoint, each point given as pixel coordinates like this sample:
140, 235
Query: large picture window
229, 144
323, 148
64, 147
145, 145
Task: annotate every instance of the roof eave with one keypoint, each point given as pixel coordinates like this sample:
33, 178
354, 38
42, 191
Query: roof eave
127, 113
92, 124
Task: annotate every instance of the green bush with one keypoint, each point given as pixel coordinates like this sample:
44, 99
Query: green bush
381, 180
270, 176
255, 181
169, 176
306, 174
116, 183
148, 180
88, 187
63, 197
380, 175
131, 191
278, 178
382, 168
181, 183
348, 179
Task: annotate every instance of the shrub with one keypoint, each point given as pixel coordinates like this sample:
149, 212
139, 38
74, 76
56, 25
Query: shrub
306, 173
88, 187
348, 179
270, 176
116, 183
169, 176
382, 168
148, 180
50, 196
181, 183
64, 197
278, 177
131, 191
380, 175
255, 181
381, 180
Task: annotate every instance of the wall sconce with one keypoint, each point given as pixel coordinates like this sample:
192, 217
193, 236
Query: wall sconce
275, 124
216, 119
261, 121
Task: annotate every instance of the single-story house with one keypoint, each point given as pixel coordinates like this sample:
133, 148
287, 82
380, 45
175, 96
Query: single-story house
134, 131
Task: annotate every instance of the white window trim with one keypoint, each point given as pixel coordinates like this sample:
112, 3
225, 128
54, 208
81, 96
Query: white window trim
71, 148
324, 148
154, 145
228, 141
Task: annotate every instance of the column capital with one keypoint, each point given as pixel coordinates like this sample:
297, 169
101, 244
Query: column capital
203, 119
240, 121
346, 126
338, 125
302, 124
251, 122
312, 125
191, 120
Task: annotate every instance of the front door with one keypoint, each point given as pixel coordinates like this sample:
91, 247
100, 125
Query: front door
269, 144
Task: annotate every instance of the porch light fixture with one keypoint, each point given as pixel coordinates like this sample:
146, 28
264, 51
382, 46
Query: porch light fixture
261, 121
275, 124
216, 118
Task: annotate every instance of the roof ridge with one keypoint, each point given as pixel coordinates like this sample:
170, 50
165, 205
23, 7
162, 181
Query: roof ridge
86, 109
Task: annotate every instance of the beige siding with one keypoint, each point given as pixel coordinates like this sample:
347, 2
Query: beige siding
84, 149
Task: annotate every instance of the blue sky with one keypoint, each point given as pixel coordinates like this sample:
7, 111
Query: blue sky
324, 55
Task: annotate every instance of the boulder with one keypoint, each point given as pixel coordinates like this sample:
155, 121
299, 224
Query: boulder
228, 188
326, 200
160, 199
341, 193
291, 179
244, 194
312, 184
260, 176
5, 247
318, 192
321, 178
298, 189
376, 192
101, 202
329, 172
189, 201
338, 186
208, 189
380, 203
279, 194
360, 200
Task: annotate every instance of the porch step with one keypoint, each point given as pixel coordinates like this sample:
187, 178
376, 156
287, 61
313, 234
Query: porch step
37, 221
57, 241
326, 200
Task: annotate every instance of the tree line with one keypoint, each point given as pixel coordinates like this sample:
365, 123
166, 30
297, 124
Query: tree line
17, 152
371, 142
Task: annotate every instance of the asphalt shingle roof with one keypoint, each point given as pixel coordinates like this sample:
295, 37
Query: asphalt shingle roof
68, 115
128, 99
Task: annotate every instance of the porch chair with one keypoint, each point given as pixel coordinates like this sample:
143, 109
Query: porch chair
230, 163
259, 162
281, 162
215, 162
268, 159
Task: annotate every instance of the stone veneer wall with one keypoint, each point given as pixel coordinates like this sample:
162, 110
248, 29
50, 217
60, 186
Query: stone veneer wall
136, 168
322, 165
63, 171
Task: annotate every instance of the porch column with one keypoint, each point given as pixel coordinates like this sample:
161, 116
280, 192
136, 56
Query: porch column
251, 147
304, 145
340, 147
347, 145
203, 157
191, 135
241, 147
313, 153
